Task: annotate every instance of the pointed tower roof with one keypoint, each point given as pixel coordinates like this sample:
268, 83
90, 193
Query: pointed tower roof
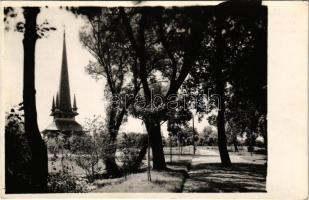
74, 103
57, 100
53, 105
64, 86
62, 111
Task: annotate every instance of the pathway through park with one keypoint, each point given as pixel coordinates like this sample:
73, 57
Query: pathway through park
248, 173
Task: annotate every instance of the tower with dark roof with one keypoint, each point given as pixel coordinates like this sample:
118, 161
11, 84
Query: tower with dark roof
62, 111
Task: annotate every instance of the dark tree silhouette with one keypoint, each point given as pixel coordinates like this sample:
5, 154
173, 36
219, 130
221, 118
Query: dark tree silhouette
39, 165
185, 45
233, 67
247, 72
247, 106
219, 88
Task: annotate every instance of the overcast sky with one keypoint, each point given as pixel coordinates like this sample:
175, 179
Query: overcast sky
89, 93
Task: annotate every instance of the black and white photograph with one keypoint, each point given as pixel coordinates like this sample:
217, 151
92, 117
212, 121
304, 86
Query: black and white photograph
135, 98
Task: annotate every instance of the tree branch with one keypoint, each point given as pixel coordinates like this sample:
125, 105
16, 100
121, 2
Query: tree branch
166, 47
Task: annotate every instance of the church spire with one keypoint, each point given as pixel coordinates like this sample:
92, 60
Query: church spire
62, 108
53, 105
62, 111
64, 87
74, 104
57, 100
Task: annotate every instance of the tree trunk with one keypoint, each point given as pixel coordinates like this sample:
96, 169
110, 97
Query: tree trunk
251, 143
110, 160
265, 141
235, 145
220, 86
171, 152
141, 156
154, 131
39, 161
224, 155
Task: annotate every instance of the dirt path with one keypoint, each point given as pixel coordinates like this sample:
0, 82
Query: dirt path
207, 174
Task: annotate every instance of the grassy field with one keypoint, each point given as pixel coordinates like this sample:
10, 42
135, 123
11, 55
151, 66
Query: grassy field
186, 173
171, 180
200, 173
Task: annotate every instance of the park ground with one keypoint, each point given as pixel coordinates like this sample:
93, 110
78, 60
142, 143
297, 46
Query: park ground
196, 173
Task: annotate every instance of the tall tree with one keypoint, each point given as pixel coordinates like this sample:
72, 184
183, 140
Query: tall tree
246, 36
39, 165
219, 88
104, 39
231, 48
180, 27
248, 74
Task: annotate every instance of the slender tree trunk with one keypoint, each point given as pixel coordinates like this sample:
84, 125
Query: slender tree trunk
252, 142
171, 152
265, 141
235, 145
39, 161
154, 131
219, 85
224, 155
141, 156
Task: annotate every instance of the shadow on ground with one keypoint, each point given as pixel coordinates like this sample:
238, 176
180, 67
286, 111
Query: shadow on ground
212, 177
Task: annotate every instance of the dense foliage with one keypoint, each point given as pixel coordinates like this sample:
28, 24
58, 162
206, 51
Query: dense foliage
17, 152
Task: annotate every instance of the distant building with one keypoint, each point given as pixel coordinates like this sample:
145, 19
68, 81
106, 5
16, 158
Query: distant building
62, 110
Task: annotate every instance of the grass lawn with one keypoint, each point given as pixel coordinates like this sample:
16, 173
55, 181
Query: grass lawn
171, 180
186, 173
247, 174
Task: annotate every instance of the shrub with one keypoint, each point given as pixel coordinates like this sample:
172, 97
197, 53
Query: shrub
61, 182
87, 152
17, 154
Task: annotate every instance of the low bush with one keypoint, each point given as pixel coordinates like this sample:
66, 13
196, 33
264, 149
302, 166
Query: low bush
87, 152
60, 182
